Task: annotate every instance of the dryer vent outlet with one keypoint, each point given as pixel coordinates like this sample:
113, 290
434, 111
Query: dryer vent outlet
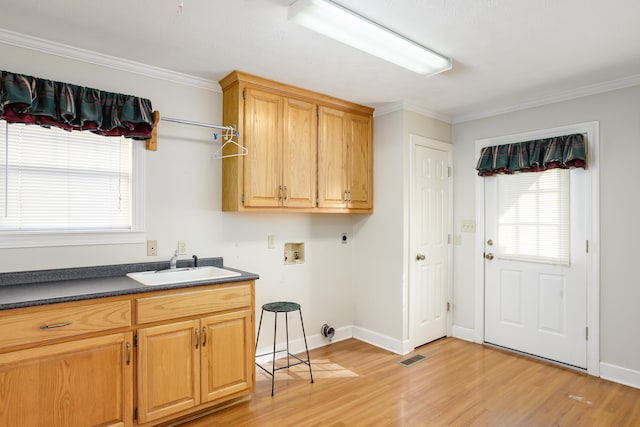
327, 331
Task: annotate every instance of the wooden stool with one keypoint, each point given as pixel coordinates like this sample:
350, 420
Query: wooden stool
286, 308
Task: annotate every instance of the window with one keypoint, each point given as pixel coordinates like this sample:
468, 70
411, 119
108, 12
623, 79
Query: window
533, 216
68, 188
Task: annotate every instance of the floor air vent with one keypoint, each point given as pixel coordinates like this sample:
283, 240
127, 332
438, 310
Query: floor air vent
412, 360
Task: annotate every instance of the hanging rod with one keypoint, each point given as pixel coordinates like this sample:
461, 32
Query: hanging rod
192, 123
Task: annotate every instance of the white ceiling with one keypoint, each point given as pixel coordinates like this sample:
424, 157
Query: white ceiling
507, 53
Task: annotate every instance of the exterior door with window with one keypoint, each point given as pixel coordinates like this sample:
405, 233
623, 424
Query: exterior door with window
535, 264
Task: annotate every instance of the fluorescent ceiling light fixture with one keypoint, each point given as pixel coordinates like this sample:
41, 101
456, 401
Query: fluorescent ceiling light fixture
339, 23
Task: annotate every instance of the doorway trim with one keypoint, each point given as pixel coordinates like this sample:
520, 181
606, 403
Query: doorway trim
415, 140
592, 130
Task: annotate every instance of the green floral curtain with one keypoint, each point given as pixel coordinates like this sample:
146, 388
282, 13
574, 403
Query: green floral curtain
31, 100
565, 152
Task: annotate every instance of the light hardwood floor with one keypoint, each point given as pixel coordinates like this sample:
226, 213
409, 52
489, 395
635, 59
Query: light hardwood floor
459, 384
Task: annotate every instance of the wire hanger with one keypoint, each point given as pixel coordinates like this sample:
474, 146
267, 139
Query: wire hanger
229, 133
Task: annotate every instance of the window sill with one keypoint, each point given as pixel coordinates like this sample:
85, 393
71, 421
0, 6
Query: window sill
81, 238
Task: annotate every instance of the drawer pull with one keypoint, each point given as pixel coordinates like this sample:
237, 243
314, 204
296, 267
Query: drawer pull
55, 325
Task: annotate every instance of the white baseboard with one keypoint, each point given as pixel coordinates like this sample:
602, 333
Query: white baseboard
379, 340
297, 346
620, 375
463, 333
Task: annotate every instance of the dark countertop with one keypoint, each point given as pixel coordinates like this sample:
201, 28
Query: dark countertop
32, 288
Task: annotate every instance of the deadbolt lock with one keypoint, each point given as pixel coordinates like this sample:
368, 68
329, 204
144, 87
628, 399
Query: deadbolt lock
490, 242
420, 257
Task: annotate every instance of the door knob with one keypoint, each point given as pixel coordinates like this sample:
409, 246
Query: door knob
489, 256
420, 257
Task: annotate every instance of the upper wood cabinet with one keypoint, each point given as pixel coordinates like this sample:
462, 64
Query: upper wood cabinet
307, 152
345, 155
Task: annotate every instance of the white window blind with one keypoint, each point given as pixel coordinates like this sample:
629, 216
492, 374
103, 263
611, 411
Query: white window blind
534, 217
54, 181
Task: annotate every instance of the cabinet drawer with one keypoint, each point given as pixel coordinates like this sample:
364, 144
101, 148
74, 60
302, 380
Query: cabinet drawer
52, 323
192, 303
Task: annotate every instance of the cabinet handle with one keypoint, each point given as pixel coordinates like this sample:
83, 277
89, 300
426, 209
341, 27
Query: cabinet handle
204, 336
128, 353
197, 331
280, 192
345, 196
55, 325
285, 194
349, 192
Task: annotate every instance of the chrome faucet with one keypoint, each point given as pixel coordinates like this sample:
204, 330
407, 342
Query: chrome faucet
174, 259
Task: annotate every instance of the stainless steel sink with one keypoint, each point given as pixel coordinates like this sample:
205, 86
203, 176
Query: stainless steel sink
181, 275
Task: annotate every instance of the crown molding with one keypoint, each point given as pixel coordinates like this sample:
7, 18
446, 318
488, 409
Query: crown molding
567, 95
407, 106
66, 51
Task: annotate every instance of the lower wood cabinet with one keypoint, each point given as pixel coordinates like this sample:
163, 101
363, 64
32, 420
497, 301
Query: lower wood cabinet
88, 364
184, 364
82, 383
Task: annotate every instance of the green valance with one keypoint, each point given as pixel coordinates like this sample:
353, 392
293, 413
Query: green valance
31, 100
565, 152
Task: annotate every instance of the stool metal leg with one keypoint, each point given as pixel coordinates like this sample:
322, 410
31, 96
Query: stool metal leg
304, 335
273, 361
286, 320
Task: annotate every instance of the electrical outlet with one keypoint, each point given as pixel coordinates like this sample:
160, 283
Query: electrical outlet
271, 241
468, 226
457, 240
182, 247
152, 248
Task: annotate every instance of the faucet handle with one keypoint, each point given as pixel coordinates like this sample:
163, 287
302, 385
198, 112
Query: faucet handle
195, 260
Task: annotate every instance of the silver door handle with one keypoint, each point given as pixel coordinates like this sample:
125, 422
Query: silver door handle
420, 257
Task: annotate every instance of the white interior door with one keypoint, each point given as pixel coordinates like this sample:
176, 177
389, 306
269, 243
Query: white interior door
536, 303
430, 249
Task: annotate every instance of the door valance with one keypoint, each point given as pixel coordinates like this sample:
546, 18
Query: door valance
568, 151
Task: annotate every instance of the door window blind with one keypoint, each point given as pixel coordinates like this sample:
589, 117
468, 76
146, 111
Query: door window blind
54, 180
533, 216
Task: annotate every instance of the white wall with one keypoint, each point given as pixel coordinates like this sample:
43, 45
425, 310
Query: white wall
381, 250
183, 201
619, 115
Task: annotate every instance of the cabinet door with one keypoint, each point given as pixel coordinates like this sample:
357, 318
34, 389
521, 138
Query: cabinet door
263, 139
81, 383
168, 369
360, 163
299, 174
332, 158
228, 355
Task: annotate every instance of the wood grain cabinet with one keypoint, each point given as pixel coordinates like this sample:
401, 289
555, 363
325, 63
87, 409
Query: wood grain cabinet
84, 382
345, 156
280, 134
307, 152
187, 363
143, 359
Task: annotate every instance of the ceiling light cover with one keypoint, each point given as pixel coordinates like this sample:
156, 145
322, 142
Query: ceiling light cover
341, 24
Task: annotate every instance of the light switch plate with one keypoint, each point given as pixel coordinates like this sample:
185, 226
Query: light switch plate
182, 247
468, 226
